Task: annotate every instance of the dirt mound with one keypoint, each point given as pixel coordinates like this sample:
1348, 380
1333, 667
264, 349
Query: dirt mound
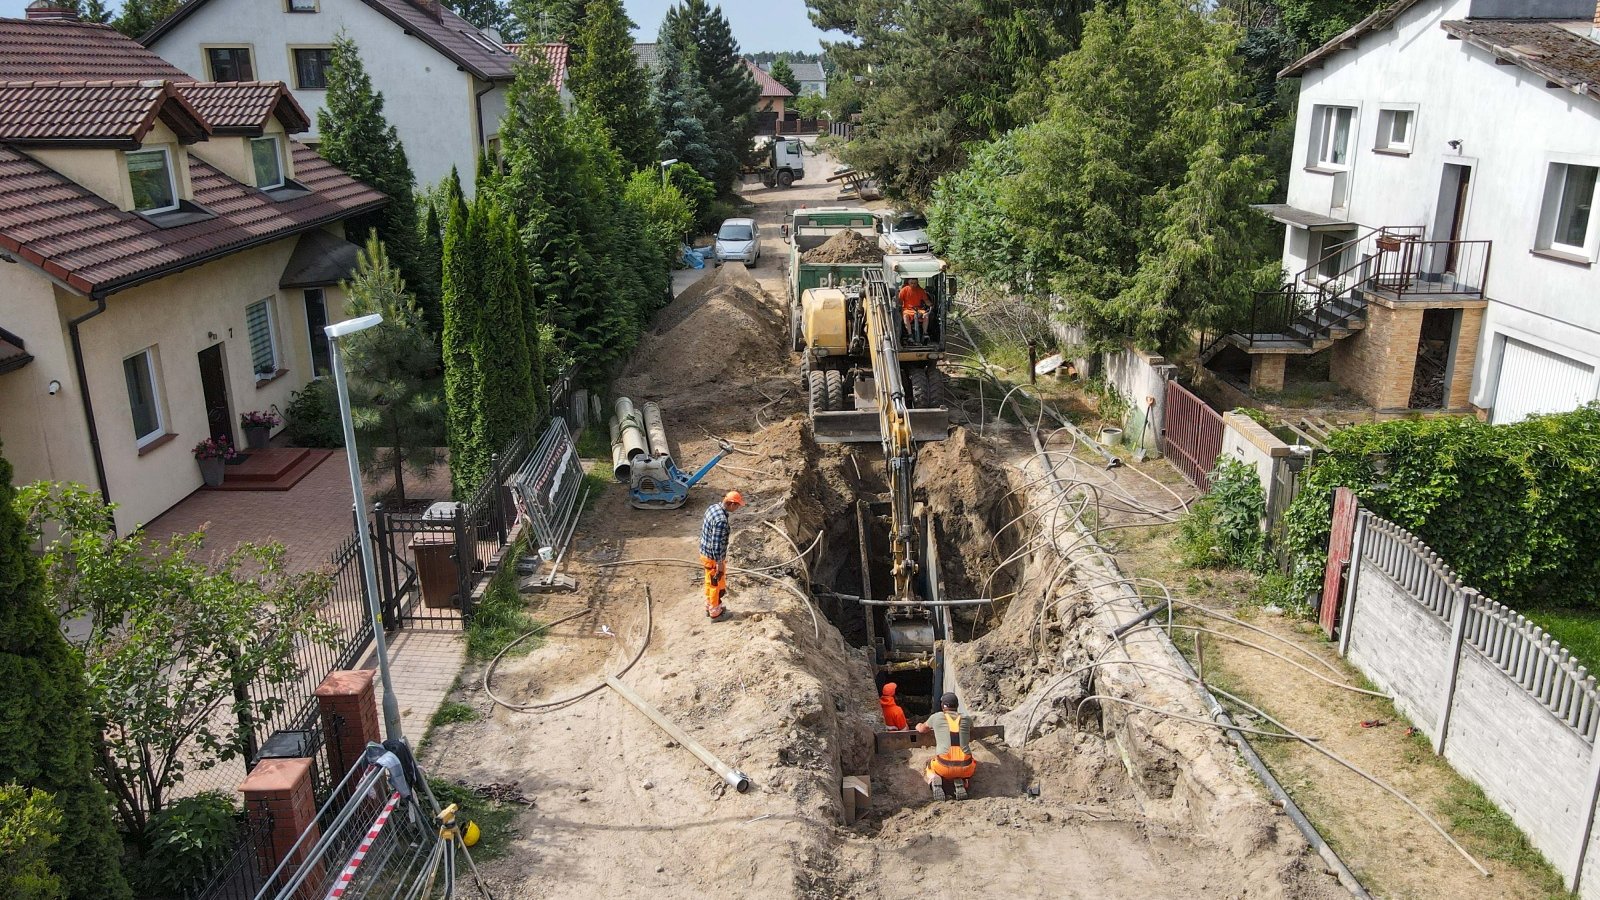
845, 247
722, 327
971, 498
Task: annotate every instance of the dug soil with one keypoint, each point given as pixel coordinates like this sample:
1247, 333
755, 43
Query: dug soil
844, 247
784, 694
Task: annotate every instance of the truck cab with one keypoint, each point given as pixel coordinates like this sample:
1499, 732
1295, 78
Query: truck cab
783, 164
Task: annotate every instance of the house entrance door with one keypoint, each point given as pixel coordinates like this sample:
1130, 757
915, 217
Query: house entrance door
214, 389
1450, 221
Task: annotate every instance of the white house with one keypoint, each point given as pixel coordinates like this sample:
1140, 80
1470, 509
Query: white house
443, 81
1441, 236
810, 76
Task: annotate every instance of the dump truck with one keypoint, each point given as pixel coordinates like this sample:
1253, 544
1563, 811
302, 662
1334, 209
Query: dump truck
838, 358
811, 228
781, 163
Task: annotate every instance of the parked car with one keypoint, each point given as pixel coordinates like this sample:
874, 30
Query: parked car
739, 240
904, 232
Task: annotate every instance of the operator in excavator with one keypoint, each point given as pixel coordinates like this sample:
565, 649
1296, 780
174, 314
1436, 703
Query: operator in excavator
914, 306
714, 532
952, 766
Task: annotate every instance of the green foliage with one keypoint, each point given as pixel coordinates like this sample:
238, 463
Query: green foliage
548, 20
782, 74
501, 616
186, 843
978, 237
685, 112
607, 79
487, 14
450, 713
697, 41
95, 11
700, 193
1109, 402
494, 818
47, 739
312, 416
358, 139
811, 106
1223, 528
1514, 508
137, 17
394, 396
170, 637
30, 826
666, 211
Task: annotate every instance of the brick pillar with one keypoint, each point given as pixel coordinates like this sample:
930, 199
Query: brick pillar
1266, 371
348, 702
1379, 361
279, 802
1458, 393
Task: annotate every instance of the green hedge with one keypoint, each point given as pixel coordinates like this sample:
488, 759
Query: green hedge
1514, 508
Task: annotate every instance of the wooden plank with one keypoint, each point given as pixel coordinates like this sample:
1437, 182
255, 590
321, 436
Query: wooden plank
1339, 542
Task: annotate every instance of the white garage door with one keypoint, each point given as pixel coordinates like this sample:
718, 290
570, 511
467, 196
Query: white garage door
1535, 380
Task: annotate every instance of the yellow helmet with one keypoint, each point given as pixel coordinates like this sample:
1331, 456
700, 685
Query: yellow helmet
470, 834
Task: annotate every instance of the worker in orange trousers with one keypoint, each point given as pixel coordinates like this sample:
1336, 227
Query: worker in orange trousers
714, 531
893, 715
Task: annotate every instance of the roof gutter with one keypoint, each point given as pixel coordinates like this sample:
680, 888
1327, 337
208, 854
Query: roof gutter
99, 299
477, 102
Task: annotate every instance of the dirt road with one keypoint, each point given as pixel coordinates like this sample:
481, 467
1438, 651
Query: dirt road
778, 692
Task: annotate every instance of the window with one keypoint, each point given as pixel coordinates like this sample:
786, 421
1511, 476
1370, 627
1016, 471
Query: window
735, 231
311, 68
316, 320
263, 343
1329, 249
1334, 124
268, 160
307, 6
150, 175
1565, 223
230, 64
1394, 129
145, 405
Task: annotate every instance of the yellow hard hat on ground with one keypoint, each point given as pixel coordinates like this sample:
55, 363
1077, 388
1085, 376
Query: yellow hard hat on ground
470, 834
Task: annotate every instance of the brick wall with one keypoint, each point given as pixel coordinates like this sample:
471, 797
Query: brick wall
1379, 361
1466, 358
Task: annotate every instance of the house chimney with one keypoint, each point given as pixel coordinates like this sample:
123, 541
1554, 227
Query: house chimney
49, 10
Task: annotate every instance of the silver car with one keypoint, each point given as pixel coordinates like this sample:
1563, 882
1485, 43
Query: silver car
904, 232
738, 240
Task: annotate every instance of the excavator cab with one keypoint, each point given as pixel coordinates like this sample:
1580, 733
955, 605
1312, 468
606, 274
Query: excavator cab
929, 271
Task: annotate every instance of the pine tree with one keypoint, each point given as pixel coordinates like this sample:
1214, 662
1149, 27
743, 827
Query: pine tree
684, 106
394, 401
548, 21
484, 14
357, 138
91, 11
509, 405
728, 85
139, 16
782, 74
430, 256
606, 77
46, 739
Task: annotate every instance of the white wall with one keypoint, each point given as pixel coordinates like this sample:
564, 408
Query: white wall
1509, 125
425, 96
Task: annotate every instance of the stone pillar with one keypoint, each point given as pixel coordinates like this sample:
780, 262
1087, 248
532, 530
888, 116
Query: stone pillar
280, 805
348, 702
1266, 371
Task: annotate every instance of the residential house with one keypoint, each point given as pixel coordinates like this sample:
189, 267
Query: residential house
557, 57
168, 255
774, 96
810, 76
1441, 237
443, 81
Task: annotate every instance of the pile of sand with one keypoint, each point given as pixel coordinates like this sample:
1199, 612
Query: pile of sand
844, 247
724, 328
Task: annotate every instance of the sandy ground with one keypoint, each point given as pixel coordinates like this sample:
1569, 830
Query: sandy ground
621, 810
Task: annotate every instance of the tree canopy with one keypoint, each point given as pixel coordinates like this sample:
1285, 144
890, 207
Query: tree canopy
782, 74
705, 92
606, 78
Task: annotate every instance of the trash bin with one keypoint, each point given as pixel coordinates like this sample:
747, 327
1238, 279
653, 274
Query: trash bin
438, 577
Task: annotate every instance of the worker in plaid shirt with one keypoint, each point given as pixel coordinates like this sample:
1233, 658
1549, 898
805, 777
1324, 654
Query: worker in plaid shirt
714, 550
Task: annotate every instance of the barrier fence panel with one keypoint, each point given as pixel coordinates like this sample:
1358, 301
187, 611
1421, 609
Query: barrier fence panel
547, 484
1192, 436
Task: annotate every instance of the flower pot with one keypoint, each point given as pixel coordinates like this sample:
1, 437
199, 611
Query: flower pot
257, 436
212, 470
1388, 243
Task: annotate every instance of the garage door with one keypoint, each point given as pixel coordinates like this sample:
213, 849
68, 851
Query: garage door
1535, 380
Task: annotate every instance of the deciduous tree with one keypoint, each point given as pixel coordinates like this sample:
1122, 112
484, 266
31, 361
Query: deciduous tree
137, 17
605, 76
487, 14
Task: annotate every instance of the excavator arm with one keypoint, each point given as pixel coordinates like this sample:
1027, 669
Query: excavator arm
895, 426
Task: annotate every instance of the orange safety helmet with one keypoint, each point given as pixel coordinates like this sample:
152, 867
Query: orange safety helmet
733, 498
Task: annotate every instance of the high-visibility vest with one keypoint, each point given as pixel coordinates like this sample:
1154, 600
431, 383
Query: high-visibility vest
956, 762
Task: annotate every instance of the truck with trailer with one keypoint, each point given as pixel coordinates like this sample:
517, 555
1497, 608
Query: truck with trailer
811, 228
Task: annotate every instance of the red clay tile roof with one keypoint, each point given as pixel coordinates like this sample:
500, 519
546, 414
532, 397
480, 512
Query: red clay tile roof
13, 355
1544, 48
243, 107
437, 26
770, 87
556, 55
93, 247
53, 49
116, 113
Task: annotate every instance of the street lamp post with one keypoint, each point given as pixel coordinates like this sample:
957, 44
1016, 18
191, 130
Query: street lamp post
665, 165
391, 706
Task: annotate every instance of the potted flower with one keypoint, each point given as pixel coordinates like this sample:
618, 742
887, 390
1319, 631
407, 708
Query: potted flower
213, 454
1388, 243
258, 425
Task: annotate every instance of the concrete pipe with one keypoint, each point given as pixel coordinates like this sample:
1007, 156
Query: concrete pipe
634, 442
620, 466
655, 429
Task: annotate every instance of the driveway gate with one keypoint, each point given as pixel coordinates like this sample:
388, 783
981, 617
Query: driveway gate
1192, 438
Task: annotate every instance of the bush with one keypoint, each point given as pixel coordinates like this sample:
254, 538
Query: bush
313, 416
1223, 528
1514, 508
188, 841
698, 190
501, 616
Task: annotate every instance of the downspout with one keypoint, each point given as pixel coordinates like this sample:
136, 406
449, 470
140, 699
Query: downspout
477, 102
83, 390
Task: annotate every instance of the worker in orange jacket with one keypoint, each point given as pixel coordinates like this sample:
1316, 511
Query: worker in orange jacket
893, 715
952, 767
914, 307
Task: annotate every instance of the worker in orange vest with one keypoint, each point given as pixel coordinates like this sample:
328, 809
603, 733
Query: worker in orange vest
714, 533
914, 306
950, 771
893, 715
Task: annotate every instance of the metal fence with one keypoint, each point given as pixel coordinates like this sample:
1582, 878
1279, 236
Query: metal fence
1192, 436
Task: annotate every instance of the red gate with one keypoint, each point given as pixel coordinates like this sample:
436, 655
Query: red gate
1341, 534
1192, 435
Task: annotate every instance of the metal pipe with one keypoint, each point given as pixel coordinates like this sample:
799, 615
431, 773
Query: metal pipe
1142, 618
83, 393
621, 468
631, 426
655, 429
735, 778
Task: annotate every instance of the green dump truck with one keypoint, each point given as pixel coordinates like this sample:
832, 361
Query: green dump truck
811, 228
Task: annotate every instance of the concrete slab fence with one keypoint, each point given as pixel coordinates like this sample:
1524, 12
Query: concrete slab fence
1504, 703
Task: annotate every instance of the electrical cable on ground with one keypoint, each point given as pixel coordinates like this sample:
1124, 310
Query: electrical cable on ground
672, 561
488, 672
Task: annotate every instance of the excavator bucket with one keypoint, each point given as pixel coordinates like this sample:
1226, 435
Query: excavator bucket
860, 426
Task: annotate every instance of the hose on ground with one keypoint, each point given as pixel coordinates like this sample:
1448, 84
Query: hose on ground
488, 672
816, 624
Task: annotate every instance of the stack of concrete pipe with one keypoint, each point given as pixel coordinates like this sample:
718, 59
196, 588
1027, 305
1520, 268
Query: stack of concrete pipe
627, 438
655, 430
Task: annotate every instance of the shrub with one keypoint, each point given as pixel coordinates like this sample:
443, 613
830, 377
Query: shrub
501, 616
1514, 508
698, 190
313, 415
1223, 528
187, 842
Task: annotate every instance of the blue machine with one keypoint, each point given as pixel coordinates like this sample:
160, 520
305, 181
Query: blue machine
656, 481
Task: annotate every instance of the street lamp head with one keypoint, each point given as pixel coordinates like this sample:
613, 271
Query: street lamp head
351, 326
667, 162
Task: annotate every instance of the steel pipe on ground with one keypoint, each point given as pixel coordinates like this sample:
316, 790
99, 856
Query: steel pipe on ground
735, 778
655, 429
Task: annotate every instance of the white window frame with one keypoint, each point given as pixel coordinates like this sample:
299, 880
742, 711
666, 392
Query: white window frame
1384, 142
272, 339
277, 153
172, 179
1324, 118
149, 357
1555, 181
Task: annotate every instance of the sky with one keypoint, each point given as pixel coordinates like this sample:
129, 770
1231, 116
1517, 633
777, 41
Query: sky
757, 24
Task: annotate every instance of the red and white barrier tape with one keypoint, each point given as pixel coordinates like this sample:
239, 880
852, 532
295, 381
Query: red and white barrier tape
343, 882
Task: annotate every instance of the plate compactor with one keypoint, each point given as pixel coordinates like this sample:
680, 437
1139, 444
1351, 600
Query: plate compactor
640, 456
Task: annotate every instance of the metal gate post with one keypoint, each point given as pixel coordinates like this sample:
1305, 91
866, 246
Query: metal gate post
385, 561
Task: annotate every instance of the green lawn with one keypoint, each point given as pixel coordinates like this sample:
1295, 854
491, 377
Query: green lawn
1578, 630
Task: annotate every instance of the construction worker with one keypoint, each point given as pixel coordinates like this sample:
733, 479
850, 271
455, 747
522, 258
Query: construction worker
893, 715
914, 305
952, 765
714, 550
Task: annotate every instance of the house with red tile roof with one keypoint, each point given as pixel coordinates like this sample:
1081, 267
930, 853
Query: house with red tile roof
774, 96
168, 254
443, 80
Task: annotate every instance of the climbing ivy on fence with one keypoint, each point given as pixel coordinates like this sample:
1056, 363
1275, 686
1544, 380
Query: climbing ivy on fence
1514, 508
